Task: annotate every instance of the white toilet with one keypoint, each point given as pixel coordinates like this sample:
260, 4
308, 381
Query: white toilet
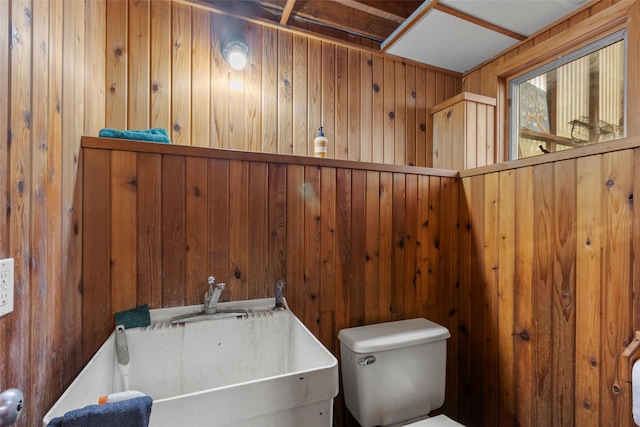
394, 373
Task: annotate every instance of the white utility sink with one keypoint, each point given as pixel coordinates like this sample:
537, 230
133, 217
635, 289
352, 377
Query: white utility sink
260, 370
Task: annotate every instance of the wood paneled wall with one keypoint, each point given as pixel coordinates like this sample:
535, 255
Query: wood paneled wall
549, 265
70, 68
164, 68
356, 243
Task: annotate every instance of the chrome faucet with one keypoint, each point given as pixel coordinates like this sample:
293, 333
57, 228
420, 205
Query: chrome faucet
279, 306
212, 296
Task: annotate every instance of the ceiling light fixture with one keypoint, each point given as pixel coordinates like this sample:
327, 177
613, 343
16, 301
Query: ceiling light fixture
235, 51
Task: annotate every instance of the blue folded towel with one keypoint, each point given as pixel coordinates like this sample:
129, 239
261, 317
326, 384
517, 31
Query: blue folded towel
125, 413
149, 135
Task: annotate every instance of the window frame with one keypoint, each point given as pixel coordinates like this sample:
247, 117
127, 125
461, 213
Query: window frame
514, 82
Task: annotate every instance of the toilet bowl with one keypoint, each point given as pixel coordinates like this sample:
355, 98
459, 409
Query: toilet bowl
395, 372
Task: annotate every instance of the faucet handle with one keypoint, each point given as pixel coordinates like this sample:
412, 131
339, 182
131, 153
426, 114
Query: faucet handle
279, 305
211, 280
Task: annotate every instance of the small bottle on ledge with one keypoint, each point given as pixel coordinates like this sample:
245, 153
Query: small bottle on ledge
320, 144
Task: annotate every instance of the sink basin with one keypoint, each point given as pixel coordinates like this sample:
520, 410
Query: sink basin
264, 368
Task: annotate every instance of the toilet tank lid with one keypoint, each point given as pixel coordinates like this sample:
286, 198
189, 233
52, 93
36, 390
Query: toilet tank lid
392, 335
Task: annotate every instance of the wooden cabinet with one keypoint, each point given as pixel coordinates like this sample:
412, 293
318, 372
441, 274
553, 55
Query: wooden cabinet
464, 132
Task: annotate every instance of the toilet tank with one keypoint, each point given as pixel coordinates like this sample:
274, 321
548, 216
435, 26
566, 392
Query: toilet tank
394, 371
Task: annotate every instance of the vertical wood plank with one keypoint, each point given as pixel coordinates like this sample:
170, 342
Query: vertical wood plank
96, 252
332, 70
72, 103
258, 226
285, 93
423, 242
314, 96
270, 63
477, 334
237, 280
506, 290
197, 230
564, 291
430, 88
357, 250
366, 107
378, 115
446, 226
490, 137
422, 119
372, 234
616, 303
43, 319
138, 23
237, 137
410, 247
344, 205
328, 202
181, 74
295, 242
219, 132
491, 267
200, 78
433, 268
300, 96
525, 325
277, 246
123, 230
95, 70
312, 260
218, 191
386, 246
342, 104
173, 230
400, 113
254, 91
389, 130
454, 256
410, 96
149, 215
354, 107
543, 284
589, 244
464, 302
54, 186
473, 153
160, 65
117, 58
398, 249
480, 132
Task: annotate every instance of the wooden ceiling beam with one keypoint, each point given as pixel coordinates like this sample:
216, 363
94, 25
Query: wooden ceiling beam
286, 12
334, 14
372, 10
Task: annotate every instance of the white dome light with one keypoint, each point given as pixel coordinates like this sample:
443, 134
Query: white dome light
235, 52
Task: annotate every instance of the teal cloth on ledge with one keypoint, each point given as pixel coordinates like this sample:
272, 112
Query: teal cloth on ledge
134, 318
149, 135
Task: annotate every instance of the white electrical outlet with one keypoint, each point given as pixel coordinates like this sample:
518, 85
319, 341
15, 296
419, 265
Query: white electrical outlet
6, 286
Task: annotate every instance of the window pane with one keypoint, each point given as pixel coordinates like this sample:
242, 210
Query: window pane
573, 105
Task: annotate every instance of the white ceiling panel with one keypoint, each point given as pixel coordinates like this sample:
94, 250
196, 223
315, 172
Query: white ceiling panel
520, 16
448, 42
464, 38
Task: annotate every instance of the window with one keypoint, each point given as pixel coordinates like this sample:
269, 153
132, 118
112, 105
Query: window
574, 101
